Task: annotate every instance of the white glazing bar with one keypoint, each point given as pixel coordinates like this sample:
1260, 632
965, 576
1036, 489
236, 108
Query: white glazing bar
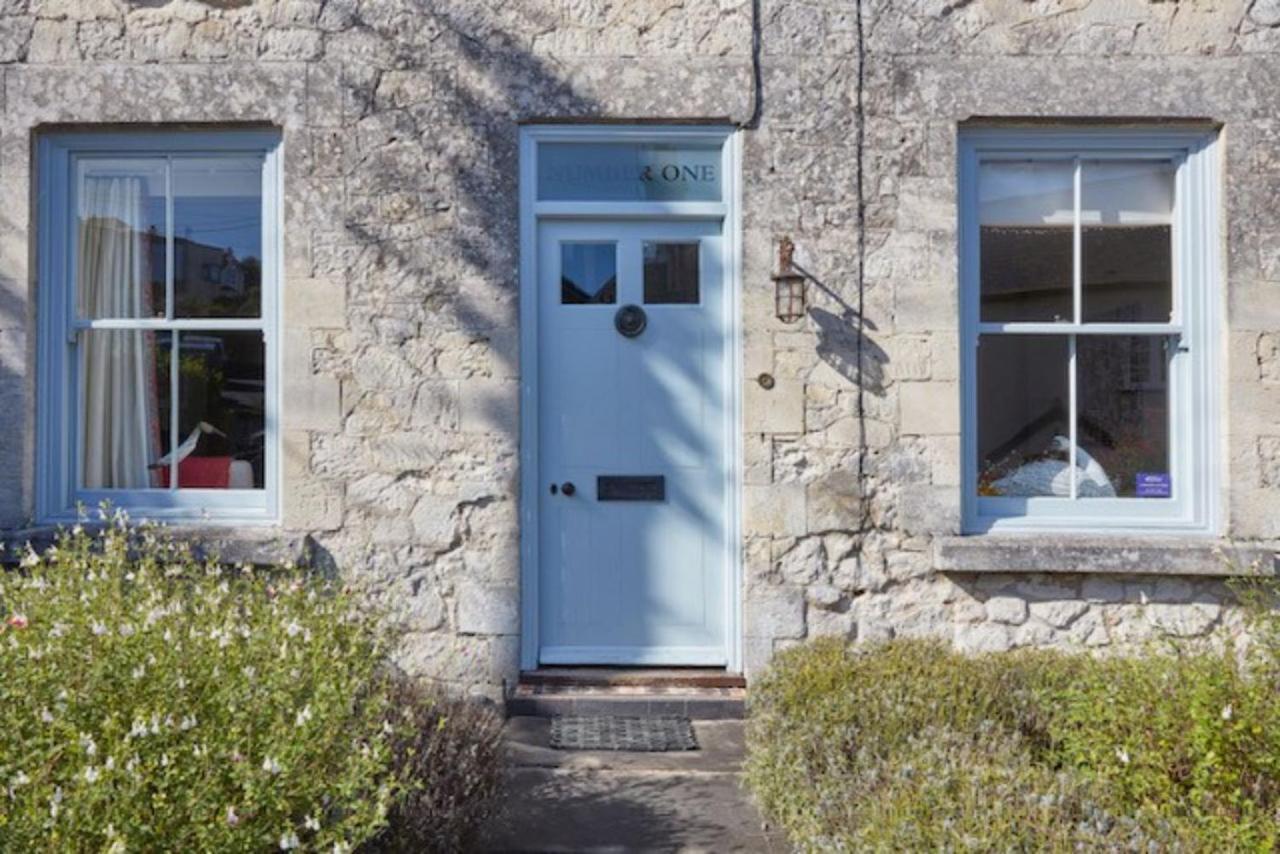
168, 239
1071, 413
1050, 328
175, 349
190, 324
1077, 315
1077, 245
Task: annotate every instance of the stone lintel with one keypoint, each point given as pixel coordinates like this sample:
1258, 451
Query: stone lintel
1099, 555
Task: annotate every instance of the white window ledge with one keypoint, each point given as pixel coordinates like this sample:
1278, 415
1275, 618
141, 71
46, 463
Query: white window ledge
234, 545
1104, 556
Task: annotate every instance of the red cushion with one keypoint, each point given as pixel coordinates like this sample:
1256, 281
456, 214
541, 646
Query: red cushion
200, 473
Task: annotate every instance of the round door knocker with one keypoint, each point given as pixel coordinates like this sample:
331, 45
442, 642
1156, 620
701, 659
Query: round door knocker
630, 321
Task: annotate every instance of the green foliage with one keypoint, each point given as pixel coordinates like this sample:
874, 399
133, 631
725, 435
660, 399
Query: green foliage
450, 753
150, 700
912, 746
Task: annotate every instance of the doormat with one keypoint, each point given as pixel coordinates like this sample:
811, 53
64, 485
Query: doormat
609, 732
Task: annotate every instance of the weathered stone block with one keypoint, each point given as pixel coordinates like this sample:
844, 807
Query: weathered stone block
776, 410
776, 509
486, 609
929, 408
775, 612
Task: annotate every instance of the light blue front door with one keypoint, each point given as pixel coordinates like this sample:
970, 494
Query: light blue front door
632, 514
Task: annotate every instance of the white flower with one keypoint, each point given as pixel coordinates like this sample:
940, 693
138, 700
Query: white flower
1227, 712
270, 765
55, 802
19, 779
139, 671
293, 628
341, 848
232, 818
58, 630
110, 763
312, 823
126, 630
1122, 755
98, 629
303, 716
30, 559
164, 760
250, 672
189, 722
91, 774
139, 729
289, 841
87, 742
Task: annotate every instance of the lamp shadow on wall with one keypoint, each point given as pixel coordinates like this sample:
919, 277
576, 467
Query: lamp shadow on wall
843, 341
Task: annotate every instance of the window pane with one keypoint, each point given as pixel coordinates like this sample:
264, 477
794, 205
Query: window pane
217, 246
629, 171
1025, 213
588, 273
670, 272
1123, 397
221, 415
1126, 212
124, 407
1023, 412
120, 237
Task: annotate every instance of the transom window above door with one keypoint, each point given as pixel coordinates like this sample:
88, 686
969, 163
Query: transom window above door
158, 291
1089, 280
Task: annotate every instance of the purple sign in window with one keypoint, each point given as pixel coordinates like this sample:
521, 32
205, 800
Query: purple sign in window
1154, 485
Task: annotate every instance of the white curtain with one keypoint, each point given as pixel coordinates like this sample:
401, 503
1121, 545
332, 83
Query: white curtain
118, 410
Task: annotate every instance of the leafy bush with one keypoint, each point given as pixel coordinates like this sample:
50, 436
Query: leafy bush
911, 746
151, 700
450, 753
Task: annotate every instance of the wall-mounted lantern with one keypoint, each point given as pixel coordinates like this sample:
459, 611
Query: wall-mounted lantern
788, 285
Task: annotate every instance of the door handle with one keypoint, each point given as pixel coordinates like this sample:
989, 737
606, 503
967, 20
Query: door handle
568, 488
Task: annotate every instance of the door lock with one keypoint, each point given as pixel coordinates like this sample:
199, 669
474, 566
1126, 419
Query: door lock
568, 488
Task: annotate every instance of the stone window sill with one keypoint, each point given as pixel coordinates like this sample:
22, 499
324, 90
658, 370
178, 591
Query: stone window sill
1103, 556
234, 544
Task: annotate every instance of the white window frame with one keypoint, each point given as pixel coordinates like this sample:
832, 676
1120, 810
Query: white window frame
1195, 325
58, 497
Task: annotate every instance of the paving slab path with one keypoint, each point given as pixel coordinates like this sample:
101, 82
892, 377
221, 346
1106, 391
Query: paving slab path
605, 801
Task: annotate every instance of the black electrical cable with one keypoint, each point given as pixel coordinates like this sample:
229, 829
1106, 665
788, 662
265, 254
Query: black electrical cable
860, 149
757, 74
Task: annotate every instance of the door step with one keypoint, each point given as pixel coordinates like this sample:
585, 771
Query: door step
695, 694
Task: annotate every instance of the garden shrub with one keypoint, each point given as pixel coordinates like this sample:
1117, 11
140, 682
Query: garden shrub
911, 746
450, 753
153, 700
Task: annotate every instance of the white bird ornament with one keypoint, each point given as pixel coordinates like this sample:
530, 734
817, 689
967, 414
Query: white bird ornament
1053, 476
189, 445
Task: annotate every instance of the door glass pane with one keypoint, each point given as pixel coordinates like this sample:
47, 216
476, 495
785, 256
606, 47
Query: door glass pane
629, 171
1025, 214
1126, 216
588, 273
1123, 397
120, 237
221, 414
670, 272
124, 407
1023, 415
217, 231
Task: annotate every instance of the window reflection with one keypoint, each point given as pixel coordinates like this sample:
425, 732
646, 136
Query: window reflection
1026, 222
217, 237
1123, 399
670, 273
1023, 413
588, 273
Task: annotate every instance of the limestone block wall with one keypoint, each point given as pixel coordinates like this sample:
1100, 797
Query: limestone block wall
400, 123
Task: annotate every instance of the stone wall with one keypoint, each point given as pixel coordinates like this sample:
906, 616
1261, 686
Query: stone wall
400, 122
